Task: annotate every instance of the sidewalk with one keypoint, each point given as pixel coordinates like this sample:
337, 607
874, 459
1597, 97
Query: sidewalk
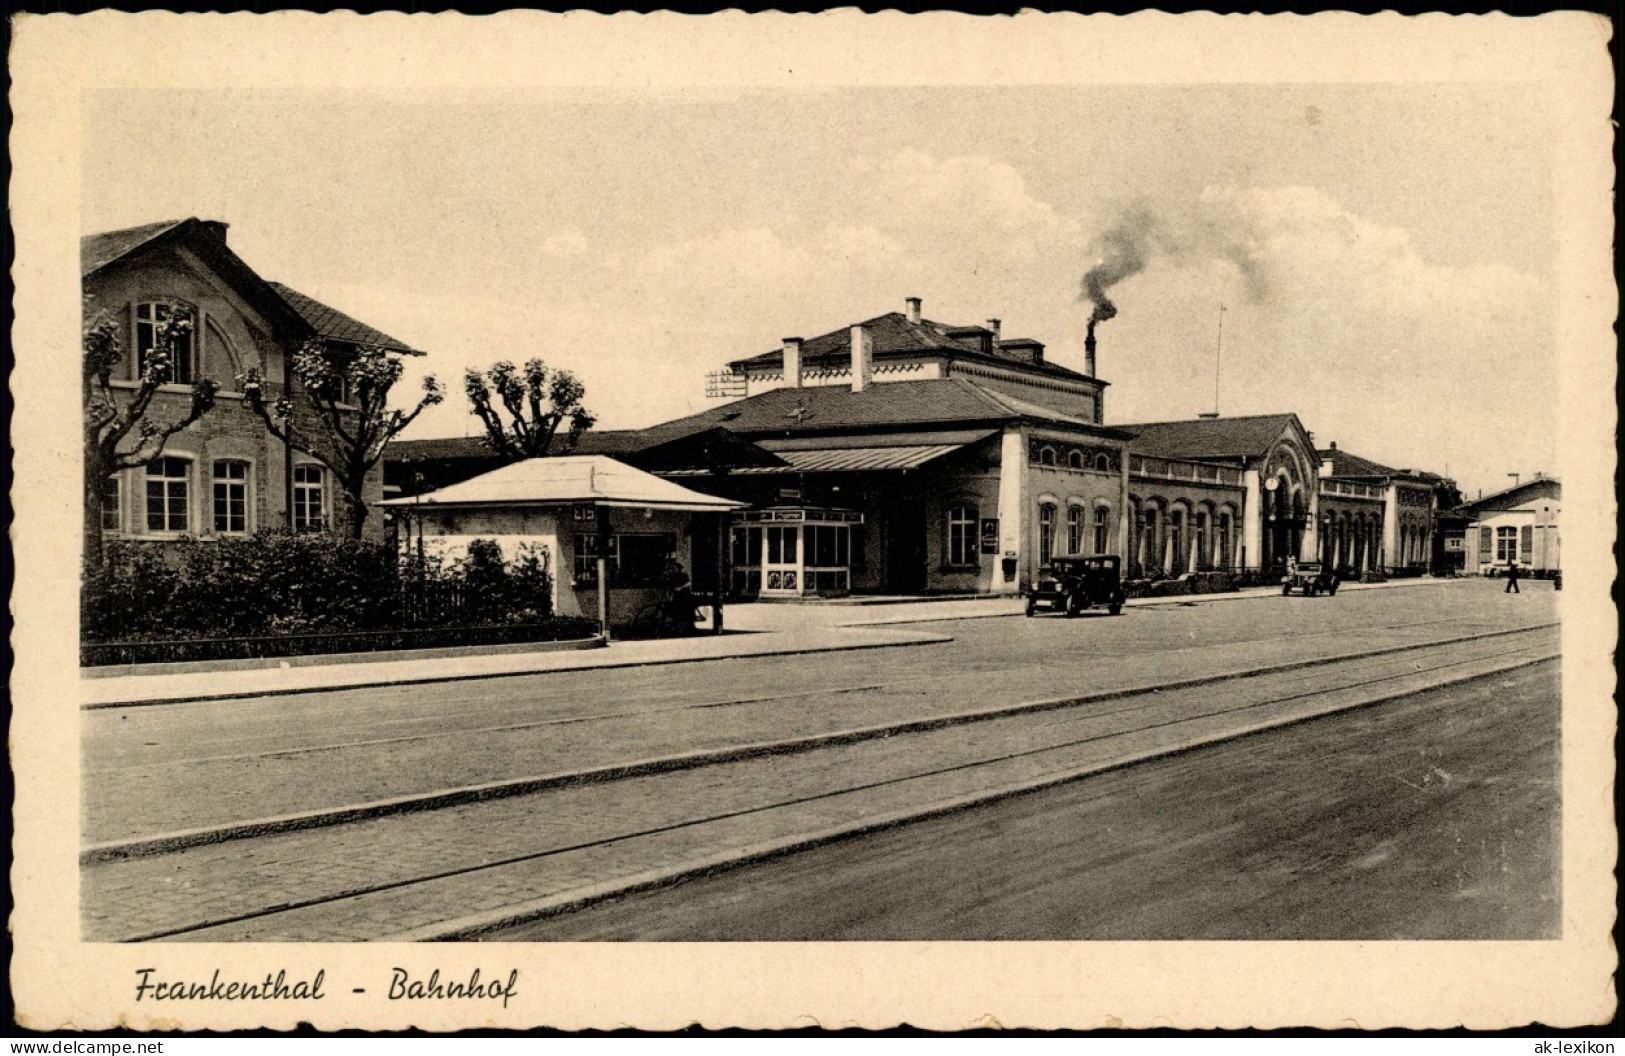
754, 630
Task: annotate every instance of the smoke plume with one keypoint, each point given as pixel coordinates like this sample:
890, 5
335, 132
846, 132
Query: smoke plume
1137, 235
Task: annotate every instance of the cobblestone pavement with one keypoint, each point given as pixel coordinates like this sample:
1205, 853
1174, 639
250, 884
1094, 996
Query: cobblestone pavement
588, 834
171, 767
1432, 818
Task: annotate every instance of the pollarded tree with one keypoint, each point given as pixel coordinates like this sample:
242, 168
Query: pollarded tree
539, 402
348, 388
119, 434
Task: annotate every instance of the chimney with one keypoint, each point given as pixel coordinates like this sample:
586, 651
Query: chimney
913, 304
1334, 445
993, 325
1089, 353
863, 356
792, 362
217, 228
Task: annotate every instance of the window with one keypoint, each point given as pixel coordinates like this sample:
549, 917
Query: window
230, 496
1526, 544
1199, 537
168, 495
1074, 459
1046, 456
1176, 540
173, 327
111, 522
1046, 530
962, 540
1102, 528
1224, 541
586, 559
1506, 545
1103, 462
1486, 539
633, 560
1074, 529
641, 559
309, 498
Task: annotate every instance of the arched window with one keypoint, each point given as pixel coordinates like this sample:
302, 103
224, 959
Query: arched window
962, 534
1103, 462
1074, 459
1199, 537
309, 498
1046, 530
1224, 540
230, 496
168, 326
1074, 529
1046, 456
1176, 540
169, 495
1102, 528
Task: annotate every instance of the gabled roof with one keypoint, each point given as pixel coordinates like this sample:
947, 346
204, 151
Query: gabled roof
596, 479
894, 404
1345, 464
1517, 495
1209, 438
333, 325
893, 335
207, 240
99, 250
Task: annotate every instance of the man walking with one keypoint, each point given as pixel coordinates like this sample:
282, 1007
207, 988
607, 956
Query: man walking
1512, 578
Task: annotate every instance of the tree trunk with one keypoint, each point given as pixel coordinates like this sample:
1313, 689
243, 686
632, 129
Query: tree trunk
357, 509
94, 558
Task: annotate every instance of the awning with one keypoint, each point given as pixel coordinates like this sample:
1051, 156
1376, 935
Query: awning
878, 452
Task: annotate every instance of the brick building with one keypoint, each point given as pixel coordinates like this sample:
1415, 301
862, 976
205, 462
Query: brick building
224, 475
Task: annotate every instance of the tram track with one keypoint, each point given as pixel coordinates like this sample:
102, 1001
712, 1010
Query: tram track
699, 816
442, 798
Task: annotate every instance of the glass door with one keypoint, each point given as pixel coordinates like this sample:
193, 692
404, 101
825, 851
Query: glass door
781, 559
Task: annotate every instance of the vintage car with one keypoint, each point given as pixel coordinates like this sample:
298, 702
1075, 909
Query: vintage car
1309, 578
1072, 584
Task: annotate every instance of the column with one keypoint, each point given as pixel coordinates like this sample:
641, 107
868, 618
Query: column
1390, 526
1012, 477
1252, 520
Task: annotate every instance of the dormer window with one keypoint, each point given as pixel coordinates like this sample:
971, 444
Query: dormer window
171, 327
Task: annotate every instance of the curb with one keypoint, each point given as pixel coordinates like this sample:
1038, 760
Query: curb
476, 925
920, 638
166, 843
380, 656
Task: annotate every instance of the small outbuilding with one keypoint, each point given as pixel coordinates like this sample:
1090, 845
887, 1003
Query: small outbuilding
611, 532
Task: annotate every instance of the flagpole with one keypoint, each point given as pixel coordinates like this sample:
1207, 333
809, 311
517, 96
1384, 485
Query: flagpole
1218, 353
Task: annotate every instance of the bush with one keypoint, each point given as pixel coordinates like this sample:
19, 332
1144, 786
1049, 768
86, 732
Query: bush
276, 584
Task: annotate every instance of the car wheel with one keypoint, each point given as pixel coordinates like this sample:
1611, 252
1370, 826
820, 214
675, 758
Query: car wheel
1332, 590
1115, 607
1286, 590
1074, 605
1032, 606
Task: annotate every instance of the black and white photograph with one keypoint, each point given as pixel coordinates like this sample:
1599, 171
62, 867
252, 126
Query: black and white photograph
800, 508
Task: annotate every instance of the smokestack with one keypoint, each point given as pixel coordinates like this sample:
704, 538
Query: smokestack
1089, 350
863, 357
792, 362
913, 304
993, 325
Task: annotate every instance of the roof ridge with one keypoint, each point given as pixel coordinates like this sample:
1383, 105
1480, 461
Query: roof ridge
1200, 420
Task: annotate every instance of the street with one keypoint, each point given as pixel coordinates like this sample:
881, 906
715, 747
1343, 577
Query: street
512, 807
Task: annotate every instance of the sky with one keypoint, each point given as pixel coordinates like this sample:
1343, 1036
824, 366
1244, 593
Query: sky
1385, 253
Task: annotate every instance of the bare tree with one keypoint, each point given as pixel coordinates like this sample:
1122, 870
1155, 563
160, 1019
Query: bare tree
348, 388
539, 402
119, 434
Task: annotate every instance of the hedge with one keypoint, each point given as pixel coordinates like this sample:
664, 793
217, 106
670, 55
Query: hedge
302, 589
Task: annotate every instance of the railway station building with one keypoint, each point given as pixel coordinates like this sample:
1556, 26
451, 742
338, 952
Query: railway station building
900, 455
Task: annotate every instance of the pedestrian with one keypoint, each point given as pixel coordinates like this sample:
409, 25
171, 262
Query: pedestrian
1512, 578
